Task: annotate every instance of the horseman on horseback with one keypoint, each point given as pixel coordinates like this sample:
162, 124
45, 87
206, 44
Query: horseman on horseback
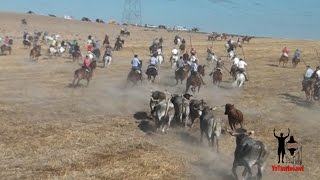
242, 69
307, 77
285, 52
193, 53
153, 63
135, 62
296, 57
194, 71
86, 64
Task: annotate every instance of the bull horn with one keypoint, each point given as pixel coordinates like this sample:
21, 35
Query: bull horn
250, 132
214, 108
196, 109
157, 100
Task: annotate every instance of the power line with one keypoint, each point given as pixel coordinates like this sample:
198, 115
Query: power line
132, 12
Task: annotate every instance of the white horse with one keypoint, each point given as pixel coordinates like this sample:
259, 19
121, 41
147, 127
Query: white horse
174, 59
212, 58
240, 79
160, 58
107, 60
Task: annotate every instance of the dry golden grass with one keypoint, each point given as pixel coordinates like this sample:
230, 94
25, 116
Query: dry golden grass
50, 131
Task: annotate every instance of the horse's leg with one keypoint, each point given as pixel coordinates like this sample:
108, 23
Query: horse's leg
199, 88
88, 80
74, 80
78, 81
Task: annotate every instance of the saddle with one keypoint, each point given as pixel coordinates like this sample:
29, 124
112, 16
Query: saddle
152, 67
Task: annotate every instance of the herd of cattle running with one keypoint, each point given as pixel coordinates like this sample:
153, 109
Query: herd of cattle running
182, 109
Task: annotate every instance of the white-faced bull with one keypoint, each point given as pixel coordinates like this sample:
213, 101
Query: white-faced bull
210, 125
248, 152
194, 106
163, 114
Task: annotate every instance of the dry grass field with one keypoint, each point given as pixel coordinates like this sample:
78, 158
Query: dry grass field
51, 131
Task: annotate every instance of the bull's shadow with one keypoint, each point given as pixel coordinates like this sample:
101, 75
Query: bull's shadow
296, 100
188, 138
213, 170
145, 122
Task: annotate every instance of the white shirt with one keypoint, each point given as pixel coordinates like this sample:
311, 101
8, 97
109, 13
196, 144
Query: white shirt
236, 61
159, 51
174, 51
309, 73
193, 58
318, 73
194, 67
242, 64
153, 61
135, 62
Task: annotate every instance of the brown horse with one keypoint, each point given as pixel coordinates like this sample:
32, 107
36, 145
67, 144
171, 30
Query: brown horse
82, 73
135, 76
216, 76
309, 89
194, 80
106, 40
182, 73
246, 38
283, 59
5, 48
35, 52
182, 47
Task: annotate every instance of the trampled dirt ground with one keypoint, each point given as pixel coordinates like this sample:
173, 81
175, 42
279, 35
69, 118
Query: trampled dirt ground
51, 131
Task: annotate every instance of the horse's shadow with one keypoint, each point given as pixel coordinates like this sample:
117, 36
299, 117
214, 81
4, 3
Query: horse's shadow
273, 65
70, 85
296, 100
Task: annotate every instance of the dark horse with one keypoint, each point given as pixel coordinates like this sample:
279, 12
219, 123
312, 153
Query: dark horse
76, 55
283, 59
97, 53
216, 76
27, 43
152, 73
35, 52
182, 73
135, 76
194, 80
82, 73
233, 71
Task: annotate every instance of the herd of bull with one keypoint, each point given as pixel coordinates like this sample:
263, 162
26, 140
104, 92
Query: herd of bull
184, 109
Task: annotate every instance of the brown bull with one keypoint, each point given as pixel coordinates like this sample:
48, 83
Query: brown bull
235, 116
